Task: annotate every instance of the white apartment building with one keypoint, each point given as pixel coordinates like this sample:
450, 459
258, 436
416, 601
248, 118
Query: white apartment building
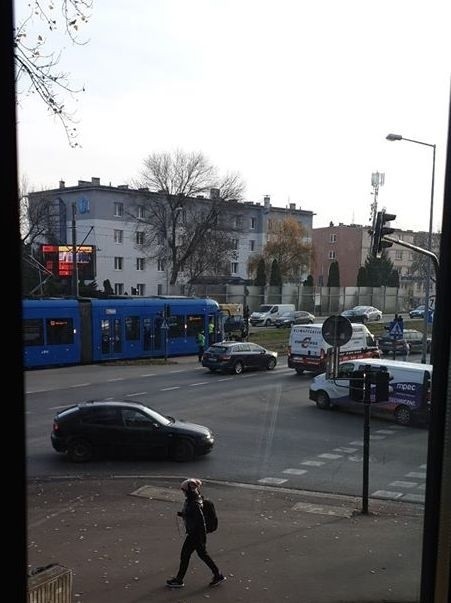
107, 217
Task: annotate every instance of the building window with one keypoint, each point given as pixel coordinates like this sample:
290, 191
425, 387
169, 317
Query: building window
332, 238
332, 255
251, 245
398, 255
140, 211
118, 210
237, 221
160, 265
118, 236
253, 223
234, 243
118, 263
119, 288
234, 267
139, 237
140, 289
139, 263
159, 289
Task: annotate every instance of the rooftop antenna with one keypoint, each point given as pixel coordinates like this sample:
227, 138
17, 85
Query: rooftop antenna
377, 180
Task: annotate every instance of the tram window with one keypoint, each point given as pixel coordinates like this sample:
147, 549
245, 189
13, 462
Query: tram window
33, 332
60, 331
195, 322
176, 326
132, 328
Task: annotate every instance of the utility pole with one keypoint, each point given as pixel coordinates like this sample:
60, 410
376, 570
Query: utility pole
74, 252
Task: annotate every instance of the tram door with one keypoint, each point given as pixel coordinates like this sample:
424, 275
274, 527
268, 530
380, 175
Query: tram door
153, 340
111, 336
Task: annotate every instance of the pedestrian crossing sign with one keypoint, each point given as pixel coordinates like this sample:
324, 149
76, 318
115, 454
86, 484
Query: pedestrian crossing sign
396, 330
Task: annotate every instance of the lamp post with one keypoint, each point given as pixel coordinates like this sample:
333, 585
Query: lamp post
393, 137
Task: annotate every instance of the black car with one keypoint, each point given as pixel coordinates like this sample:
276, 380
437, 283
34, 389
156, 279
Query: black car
410, 343
121, 427
298, 317
236, 357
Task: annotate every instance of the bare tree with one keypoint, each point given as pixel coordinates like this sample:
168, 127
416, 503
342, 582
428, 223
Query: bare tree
38, 220
285, 245
180, 222
37, 68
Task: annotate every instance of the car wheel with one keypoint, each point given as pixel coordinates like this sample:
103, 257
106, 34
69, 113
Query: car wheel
238, 368
213, 370
323, 401
300, 371
271, 364
403, 415
268, 322
183, 451
80, 451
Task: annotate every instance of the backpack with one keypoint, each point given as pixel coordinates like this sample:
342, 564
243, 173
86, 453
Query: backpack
209, 511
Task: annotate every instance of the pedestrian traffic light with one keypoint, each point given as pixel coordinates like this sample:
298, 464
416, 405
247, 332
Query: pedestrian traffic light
382, 380
380, 230
356, 386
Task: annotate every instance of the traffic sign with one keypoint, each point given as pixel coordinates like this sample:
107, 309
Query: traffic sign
396, 330
337, 330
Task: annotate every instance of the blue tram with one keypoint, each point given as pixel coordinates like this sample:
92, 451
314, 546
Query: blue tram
61, 331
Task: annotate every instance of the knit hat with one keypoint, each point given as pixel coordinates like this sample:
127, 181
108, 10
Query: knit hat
190, 484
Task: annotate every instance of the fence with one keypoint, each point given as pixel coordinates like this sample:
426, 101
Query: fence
50, 584
322, 301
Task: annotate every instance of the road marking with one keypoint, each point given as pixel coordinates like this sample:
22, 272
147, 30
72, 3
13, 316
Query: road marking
295, 471
414, 497
357, 443
177, 371
386, 494
117, 379
226, 379
329, 456
377, 437
401, 484
418, 474
148, 375
320, 510
79, 385
272, 480
345, 449
137, 394
385, 431
168, 389
200, 383
313, 463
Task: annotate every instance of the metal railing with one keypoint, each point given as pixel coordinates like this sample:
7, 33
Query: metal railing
50, 584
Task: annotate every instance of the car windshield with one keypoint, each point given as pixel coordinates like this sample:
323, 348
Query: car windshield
264, 308
156, 416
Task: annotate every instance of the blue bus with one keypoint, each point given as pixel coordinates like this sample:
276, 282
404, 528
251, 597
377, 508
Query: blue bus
60, 331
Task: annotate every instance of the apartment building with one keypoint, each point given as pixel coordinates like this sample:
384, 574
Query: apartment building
349, 245
107, 217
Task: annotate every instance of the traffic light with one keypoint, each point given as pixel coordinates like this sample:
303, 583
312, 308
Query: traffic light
382, 380
380, 230
356, 386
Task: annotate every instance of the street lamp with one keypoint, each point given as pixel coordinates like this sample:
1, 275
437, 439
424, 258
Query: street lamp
393, 137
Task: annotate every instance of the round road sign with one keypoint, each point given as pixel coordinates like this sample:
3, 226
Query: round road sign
337, 330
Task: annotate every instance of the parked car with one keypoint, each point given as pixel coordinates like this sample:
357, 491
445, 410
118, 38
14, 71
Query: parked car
418, 312
236, 357
363, 314
411, 343
235, 327
98, 427
298, 317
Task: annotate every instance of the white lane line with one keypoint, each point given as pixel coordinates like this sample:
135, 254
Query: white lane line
345, 449
332, 457
357, 443
295, 471
177, 371
385, 431
200, 383
272, 480
386, 494
117, 379
377, 437
417, 474
401, 484
168, 389
249, 375
80, 385
137, 394
37, 391
313, 463
226, 379
148, 375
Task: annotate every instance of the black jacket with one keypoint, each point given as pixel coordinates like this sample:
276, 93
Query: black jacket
193, 516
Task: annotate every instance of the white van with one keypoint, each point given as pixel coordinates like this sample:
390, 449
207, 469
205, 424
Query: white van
307, 348
409, 390
267, 314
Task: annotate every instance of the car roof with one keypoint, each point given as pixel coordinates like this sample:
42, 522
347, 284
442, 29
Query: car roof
130, 404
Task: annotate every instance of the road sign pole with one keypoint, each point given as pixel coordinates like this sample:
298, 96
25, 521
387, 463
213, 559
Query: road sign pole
366, 440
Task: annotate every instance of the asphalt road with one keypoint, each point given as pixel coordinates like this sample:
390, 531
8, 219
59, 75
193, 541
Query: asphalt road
267, 430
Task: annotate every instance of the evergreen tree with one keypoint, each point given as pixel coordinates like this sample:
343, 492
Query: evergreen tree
379, 271
275, 278
362, 277
333, 279
309, 281
260, 279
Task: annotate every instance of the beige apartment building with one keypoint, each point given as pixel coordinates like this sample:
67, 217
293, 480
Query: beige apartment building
349, 245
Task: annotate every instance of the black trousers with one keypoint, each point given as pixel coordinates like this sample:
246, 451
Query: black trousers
189, 546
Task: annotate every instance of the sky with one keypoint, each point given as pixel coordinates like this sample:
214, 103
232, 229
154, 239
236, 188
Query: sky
295, 95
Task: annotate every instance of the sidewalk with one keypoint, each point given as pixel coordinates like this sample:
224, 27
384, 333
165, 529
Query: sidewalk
121, 539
